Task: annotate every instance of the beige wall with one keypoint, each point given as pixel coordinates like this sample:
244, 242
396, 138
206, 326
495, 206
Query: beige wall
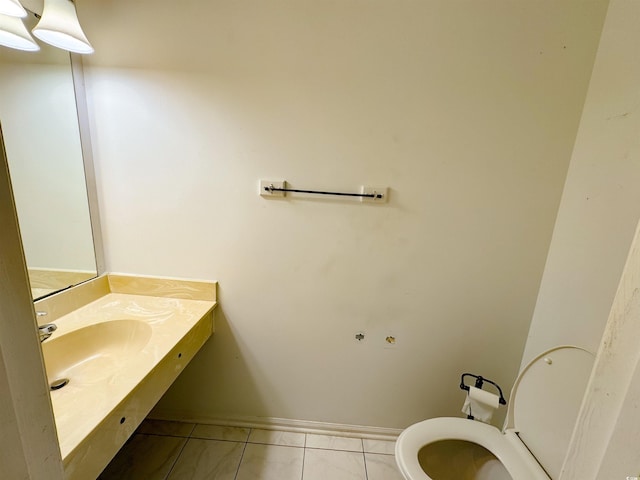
467, 110
601, 200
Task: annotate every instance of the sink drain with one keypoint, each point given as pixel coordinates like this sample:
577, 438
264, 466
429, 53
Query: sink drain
58, 384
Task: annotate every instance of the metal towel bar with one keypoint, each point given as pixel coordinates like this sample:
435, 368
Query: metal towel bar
271, 188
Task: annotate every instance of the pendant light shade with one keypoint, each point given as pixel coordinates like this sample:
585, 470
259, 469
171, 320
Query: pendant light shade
12, 8
14, 34
59, 26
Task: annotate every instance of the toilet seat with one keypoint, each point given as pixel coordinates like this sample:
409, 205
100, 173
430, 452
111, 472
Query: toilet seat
507, 447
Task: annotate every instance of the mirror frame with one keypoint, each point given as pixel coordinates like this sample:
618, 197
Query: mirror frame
77, 73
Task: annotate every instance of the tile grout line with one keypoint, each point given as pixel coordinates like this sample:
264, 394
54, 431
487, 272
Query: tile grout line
364, 460
240, 462
160, 435
242, 455
304, 454
186, 440
327, 449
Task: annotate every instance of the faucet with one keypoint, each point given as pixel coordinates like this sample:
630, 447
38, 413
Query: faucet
45, 331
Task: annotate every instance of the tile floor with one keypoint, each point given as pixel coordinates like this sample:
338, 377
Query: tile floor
186, 451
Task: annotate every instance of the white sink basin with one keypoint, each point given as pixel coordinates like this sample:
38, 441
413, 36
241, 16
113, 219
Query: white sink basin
94, 353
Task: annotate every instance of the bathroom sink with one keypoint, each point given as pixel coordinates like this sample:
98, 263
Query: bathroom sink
120, 345
94, 353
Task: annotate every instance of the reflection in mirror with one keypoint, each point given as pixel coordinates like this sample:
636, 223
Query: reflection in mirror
40, 124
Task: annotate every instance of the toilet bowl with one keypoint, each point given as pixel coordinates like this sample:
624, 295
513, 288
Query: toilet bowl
543, 408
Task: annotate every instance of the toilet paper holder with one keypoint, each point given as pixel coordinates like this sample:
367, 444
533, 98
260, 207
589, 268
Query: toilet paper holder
480, 380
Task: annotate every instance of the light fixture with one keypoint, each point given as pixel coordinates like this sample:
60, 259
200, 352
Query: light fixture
14, 34
13, 8
59, 26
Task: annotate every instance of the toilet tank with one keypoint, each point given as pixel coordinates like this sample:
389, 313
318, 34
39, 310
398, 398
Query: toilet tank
545, 401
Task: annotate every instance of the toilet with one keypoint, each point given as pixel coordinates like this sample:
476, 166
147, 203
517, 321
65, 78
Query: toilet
542, 411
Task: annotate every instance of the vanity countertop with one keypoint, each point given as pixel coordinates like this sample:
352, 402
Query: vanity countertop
121, 341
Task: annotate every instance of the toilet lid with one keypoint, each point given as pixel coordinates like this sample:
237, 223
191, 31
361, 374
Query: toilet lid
545, 401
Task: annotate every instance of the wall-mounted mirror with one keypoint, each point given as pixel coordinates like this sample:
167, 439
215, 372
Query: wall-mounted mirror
39, 120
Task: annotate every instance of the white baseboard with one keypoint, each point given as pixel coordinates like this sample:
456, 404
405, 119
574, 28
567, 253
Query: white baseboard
272, 423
